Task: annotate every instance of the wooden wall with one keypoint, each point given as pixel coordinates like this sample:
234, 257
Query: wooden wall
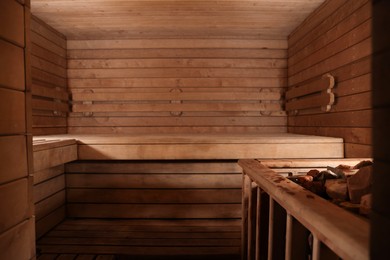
49, 89
16, 207
336, 39
177, 85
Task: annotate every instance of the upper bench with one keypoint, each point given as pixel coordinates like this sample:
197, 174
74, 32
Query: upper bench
203, 146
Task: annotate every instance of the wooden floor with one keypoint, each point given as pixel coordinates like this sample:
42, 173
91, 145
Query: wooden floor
142, 239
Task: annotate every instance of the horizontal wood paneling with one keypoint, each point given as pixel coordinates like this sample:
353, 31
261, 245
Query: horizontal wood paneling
49, 89
154, 189
49, 181
177, 85
337, 42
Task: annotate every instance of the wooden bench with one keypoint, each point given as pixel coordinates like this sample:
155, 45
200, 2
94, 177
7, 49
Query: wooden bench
180, 191
206, 147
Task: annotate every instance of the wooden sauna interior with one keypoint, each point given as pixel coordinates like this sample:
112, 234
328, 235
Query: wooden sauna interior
122, 120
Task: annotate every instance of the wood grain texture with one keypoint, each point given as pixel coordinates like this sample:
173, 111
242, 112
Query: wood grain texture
49, 89
341, 45
12, 15
158, 84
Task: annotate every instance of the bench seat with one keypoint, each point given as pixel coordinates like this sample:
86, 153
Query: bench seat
210, 147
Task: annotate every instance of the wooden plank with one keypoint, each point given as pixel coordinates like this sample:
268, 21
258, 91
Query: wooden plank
274, 95
43, 76
181, 121
126, 250
178, 53
47, 55
154, 211
44, 175
18, 242
47, 44
48, 188
50, 221
50, 204
13, 111
59, 155
314, 101
349, 134
153, 196
48, 32
12, 66
343, 119
358, 150
176, 63
175, 72
41, 104
156, 167
49, 121
16, 204
177, 82
175, 43
170, 130
49, 92
160, 181
47, 257
48, 66
199, 106
141, 242
12, 15
11, 166
207, 151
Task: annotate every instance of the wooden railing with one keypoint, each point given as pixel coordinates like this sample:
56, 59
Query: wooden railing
282, 220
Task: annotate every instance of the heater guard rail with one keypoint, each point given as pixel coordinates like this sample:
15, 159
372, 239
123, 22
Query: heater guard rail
282, 220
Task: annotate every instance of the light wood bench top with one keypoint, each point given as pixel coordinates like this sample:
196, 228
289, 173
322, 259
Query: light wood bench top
188, 147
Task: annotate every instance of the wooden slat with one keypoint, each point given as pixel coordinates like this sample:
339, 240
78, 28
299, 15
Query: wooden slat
47, 223
321, 100
48, 188
154, 211
177, 82
50, 204
11, 65
183, 121
175, 72
153, 196
200, 106
47, 44
176, 96
43, 29
160, 181
12, 15
253, 53
59, 155
175, 43
43, 175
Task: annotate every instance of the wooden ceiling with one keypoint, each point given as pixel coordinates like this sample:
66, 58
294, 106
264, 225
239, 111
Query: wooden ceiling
103, 19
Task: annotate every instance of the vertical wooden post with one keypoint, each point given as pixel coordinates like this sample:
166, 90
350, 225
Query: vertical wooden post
244, 227
316, 248
252, 215
262, 216
270, 228
289, 231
